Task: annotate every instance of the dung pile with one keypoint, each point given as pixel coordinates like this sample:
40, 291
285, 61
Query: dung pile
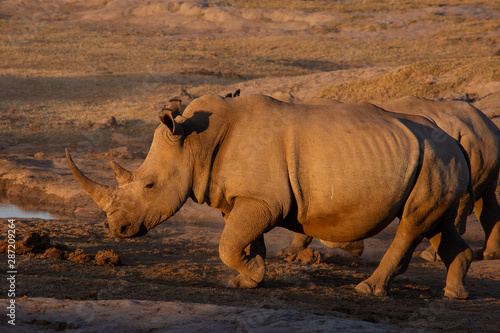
39, 245
307, 256
33, 243
107, 257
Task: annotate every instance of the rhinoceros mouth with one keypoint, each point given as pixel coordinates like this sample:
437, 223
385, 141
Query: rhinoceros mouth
124, 232
141, 232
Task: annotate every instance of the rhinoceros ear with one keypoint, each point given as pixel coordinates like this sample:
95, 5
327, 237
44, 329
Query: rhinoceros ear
167, 117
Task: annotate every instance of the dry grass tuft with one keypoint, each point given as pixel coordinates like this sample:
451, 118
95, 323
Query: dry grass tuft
349, 6
428, 79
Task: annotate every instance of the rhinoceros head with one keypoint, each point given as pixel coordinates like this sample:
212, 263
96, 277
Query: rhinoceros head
152, 193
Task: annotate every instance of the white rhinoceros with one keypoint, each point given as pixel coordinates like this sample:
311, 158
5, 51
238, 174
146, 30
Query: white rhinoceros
480, 138
338, 173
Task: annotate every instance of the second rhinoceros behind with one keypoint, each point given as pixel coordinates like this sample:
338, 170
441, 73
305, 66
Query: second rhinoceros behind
479, 137
336, 176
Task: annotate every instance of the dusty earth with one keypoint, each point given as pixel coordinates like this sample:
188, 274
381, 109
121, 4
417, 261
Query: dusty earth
172, 278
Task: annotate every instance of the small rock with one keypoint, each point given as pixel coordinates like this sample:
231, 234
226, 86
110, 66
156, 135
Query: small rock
120, 139
59, 326
468, 322
121, 150
110, 122
459, 96
54, 253
87, 125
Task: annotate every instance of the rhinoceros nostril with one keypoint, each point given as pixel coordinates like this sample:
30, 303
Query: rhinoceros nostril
123, 229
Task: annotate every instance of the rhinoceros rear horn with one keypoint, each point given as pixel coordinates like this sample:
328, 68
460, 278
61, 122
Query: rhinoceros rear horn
123, 176
98, 192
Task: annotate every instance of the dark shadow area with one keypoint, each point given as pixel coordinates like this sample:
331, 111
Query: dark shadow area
94, 88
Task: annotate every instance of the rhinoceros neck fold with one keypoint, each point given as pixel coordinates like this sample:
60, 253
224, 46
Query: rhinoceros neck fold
205, 140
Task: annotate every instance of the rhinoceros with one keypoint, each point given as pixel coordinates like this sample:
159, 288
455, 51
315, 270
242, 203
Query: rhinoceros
480, 138
338, 175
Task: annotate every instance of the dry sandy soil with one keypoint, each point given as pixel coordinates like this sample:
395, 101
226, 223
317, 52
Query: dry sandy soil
90, 75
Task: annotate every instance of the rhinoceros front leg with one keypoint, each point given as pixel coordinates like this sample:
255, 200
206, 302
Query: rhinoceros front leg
242, 243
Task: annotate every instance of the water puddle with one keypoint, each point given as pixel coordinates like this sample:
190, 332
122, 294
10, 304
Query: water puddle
12, 211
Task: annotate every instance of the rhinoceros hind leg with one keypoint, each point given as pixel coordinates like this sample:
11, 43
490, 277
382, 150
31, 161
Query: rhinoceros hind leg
464, 209
456, 256
429, 254
487, 210
300, 242
242, 243
395, 261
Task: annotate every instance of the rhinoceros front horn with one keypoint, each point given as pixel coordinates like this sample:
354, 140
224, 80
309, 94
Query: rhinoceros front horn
98, 192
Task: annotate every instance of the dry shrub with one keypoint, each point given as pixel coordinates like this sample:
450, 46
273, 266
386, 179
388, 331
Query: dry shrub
347, 6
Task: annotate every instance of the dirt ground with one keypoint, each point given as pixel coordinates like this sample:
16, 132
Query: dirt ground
90, 75
178, 262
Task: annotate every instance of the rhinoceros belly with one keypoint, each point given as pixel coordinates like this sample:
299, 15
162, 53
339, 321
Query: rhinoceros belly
352, 186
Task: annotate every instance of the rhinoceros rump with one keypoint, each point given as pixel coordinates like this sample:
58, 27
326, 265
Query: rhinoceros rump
481, 140
338, 175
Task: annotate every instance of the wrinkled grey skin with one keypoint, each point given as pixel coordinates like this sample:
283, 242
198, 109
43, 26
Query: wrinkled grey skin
481, 140
337, 173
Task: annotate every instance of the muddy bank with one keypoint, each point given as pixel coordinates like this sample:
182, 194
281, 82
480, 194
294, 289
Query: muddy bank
116, 316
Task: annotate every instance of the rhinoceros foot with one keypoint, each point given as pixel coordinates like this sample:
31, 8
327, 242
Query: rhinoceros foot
491, 255
458, 292
366, 288
290, 250
486, 254
430, 254
255, 270
242, 282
